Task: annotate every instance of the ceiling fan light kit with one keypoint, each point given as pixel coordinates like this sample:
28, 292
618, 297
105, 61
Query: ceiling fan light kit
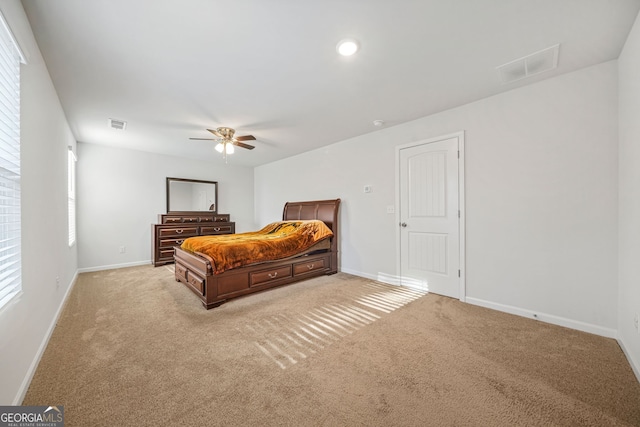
226, 141
224, 147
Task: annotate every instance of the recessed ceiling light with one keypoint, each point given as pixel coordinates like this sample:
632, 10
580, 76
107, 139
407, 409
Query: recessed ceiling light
347, 47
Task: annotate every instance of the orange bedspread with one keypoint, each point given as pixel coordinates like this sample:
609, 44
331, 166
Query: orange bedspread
277, 240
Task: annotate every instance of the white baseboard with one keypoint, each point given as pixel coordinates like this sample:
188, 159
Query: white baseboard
635, 364
402, 281
543, 317
389, 279
358, 273
381, 277
22, 391
113, 266
547, 318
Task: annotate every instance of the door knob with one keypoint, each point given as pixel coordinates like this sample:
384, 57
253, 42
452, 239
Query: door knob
404, 224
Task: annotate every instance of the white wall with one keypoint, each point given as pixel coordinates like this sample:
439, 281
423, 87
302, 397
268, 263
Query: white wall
121, 192
629, 225
541, 197
541, 192
27, 321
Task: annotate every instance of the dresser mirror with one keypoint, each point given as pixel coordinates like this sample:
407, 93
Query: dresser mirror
191, 195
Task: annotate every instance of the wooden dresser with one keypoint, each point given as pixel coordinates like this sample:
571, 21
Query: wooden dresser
173, 228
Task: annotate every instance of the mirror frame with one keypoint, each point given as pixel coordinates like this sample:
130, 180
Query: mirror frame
199, 181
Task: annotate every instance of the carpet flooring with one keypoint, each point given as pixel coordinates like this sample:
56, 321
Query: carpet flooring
134, 347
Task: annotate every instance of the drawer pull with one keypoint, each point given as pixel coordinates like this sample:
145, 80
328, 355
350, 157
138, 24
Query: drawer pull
179, 241
179, 231
216, 228
310, 266
272, 276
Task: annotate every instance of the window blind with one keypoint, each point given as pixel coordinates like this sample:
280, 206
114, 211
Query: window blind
10, 253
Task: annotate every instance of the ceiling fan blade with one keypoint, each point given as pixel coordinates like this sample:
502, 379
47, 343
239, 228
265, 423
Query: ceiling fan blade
205, 139
216, 133
240, 144
245, 138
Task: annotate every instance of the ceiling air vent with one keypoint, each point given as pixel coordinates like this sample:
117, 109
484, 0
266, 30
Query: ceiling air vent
117, 124
527, 66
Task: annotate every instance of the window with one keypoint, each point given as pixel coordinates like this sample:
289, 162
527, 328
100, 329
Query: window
10, 254
71, 191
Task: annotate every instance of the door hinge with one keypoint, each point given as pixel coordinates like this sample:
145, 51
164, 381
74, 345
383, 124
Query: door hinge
459, 273
458, 153
458, 213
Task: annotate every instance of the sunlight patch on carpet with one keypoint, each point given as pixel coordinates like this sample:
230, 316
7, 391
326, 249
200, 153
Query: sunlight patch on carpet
287, 339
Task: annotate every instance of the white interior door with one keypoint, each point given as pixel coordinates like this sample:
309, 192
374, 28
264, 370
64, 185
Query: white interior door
430, 217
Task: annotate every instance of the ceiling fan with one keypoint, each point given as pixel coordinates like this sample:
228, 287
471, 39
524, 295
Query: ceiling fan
226, 140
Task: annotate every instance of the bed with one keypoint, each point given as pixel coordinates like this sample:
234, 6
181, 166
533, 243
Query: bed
215, 285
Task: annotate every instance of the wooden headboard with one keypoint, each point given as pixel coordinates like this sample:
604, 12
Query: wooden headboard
324, 210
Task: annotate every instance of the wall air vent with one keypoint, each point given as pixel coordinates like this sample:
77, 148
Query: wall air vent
117, 124
530, 65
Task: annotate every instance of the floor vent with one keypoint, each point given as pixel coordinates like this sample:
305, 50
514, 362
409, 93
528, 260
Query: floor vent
117, 124
530, 65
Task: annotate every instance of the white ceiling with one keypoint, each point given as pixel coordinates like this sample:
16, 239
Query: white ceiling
172, 68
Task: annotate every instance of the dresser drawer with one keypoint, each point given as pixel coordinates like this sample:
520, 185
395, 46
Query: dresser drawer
181, 272
180, 231
165, 254
175, 228
190, 219
310, 265
196, 282
193, 217
218, 229
172, 220
170, 243
265, 276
